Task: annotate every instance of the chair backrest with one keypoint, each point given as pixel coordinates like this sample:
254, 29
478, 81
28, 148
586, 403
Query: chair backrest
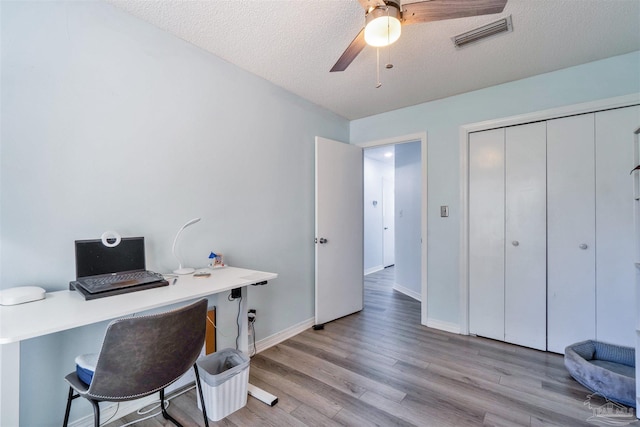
142, 355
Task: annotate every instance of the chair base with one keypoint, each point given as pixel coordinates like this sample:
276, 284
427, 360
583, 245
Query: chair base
165, 414
96, 407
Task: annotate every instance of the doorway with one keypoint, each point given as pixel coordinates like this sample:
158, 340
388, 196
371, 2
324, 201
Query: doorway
378, 210
395, 214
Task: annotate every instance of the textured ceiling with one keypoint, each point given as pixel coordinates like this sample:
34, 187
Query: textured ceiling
294, 43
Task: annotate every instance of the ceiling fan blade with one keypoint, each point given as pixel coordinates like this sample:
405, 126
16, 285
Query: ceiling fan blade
439, 10
350, 54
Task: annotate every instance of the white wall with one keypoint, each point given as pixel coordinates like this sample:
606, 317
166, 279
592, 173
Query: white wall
442, 119
374, 172
408, 212
110, 123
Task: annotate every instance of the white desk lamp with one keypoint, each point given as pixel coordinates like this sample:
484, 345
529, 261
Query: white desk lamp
181, 269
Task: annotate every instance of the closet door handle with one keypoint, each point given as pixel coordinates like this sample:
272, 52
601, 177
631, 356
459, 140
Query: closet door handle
583, 246
515, 243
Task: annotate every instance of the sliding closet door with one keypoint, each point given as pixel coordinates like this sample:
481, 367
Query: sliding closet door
615, 272
486, 234
525, 235
571, 231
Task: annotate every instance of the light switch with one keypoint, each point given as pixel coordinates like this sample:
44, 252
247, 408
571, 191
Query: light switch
444, 211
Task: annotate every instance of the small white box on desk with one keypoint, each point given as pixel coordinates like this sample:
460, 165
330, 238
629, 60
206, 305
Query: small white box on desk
21, 295
224, 376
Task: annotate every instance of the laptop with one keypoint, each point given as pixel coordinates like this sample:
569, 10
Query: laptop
104, 270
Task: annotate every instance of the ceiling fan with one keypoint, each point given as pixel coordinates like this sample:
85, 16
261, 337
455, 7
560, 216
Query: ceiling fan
384, 19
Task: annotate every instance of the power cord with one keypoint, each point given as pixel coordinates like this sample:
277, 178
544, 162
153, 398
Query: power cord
214, 325
252, 321
112, 415
238, 322
236, 294
142, 411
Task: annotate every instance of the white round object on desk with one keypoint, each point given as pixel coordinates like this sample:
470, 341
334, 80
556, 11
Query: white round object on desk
21, 295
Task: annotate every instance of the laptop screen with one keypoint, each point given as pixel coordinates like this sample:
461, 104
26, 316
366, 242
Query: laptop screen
94, 258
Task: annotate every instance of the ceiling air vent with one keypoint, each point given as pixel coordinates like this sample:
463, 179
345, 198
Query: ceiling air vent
501, 26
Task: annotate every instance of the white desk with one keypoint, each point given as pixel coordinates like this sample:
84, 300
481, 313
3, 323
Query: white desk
63, 310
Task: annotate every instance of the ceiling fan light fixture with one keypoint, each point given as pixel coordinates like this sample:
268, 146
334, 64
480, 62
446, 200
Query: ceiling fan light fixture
382, 25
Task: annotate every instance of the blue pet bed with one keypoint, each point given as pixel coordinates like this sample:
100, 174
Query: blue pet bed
604, 368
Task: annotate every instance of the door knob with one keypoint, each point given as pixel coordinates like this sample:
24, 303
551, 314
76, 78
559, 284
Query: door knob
323, 240
515, 243
583, 246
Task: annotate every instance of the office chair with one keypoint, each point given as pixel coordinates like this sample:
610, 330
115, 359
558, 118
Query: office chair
143, 355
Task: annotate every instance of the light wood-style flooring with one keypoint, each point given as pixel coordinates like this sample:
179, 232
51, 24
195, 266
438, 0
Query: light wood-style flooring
380, 367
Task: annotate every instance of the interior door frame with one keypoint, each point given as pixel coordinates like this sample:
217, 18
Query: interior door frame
422, 137
465, 130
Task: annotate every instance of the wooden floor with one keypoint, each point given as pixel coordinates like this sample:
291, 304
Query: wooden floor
380, 367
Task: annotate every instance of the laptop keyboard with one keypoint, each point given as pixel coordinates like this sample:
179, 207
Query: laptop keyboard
120, 280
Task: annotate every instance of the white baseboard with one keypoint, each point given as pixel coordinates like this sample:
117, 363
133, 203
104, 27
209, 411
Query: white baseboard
408, 292
454, 328
373, 269
283, 335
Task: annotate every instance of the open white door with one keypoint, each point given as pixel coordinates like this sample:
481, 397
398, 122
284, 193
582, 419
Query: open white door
339, 230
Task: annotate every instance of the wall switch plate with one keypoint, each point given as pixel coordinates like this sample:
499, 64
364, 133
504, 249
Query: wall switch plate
444, 211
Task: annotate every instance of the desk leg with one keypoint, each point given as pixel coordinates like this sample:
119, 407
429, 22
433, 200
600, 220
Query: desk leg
10, 384
263, 396
254, 391
243, 342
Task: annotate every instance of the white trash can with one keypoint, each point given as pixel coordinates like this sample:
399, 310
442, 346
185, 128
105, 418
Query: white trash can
224, 376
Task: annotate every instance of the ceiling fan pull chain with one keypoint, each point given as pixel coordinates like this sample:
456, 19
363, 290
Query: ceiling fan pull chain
389, 64
378, 84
